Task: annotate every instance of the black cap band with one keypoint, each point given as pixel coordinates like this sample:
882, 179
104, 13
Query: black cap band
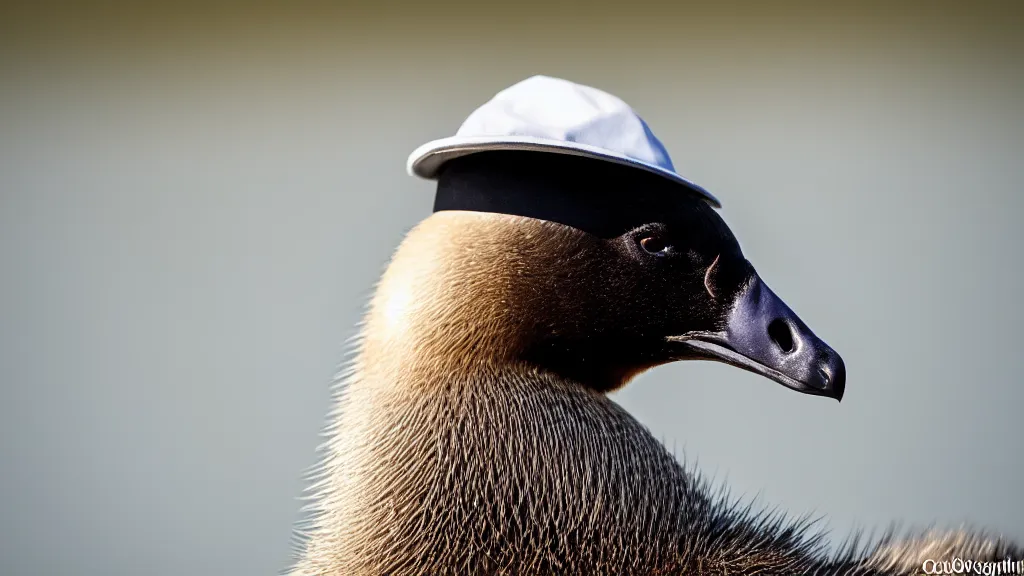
596, 196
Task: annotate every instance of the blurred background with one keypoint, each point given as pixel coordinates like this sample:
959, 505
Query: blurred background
196, 200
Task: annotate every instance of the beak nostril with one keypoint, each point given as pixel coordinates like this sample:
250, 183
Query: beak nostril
780, 333
826, 378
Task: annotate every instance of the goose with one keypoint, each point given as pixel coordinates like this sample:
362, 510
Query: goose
472, 431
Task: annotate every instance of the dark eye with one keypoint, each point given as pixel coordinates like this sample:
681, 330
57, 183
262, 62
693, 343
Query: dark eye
653, 244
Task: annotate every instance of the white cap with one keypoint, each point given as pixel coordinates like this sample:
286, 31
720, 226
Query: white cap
548, 114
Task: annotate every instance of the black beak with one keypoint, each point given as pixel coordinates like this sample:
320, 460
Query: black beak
764, 336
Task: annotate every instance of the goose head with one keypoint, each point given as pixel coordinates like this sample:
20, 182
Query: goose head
599, 272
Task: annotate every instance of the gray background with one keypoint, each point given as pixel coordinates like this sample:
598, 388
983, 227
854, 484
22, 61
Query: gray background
197, 200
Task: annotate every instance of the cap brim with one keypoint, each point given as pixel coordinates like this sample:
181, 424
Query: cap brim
426, 161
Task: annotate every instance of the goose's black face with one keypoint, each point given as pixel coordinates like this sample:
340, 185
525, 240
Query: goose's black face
645, 273
690, 294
